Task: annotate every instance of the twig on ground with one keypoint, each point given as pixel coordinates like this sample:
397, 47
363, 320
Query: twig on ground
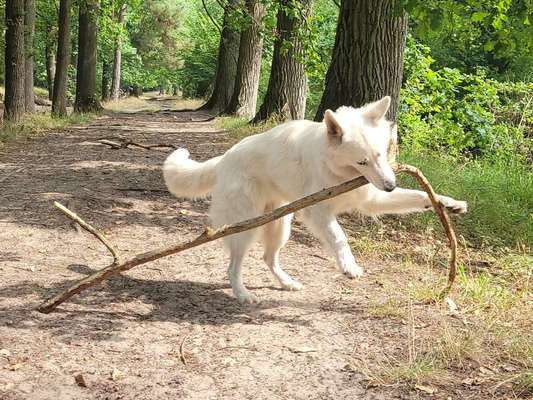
126, 143
210, 235
100, 236
141, 190
182, 345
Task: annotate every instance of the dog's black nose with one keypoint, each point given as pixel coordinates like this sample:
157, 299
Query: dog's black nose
389, 186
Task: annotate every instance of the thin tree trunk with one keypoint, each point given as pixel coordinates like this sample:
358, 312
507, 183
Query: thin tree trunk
244, 99
86, 99
115, 84
29, 27
228, 54
14, 61
287, 85
367, 61
59, 100
50, 68
106, 72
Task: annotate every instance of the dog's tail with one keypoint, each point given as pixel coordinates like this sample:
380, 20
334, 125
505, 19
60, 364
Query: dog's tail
188, 178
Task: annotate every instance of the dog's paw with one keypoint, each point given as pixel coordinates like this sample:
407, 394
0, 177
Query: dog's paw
353, 271
292, 285
453, 206
247, 298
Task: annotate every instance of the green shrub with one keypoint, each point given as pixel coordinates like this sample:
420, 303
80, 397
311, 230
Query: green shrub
462, 114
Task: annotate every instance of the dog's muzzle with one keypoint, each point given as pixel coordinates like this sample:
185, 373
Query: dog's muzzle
389, 186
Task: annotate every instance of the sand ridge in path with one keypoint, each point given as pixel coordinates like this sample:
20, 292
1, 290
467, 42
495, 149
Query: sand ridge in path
124, 337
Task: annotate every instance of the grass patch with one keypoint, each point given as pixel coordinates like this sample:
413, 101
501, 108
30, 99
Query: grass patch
392, 308
39, 122
239, 128
500, 197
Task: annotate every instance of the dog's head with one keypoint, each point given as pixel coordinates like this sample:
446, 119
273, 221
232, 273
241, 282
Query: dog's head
360, 138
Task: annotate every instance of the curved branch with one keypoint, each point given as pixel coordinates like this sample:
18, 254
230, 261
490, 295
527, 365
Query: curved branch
211, 18
89, 228
444, 219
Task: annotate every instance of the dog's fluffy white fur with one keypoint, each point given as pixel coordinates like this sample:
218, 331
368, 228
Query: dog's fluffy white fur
292, 160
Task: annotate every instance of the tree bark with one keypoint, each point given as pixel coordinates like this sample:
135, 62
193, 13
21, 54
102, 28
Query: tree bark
228, 54
86, 99
287, 85
244, 99
106, 75
14, 61
115, 84
29, 27
367, 60
59, 100
50, 69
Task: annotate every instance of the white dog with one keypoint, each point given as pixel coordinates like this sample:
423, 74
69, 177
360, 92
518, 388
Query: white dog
295, 159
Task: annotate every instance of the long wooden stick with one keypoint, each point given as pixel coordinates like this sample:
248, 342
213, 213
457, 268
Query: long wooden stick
207, 236
210, 234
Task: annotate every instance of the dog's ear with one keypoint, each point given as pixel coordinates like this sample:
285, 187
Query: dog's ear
377, 110
333, 127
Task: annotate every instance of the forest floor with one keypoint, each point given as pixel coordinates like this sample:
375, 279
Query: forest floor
172, 328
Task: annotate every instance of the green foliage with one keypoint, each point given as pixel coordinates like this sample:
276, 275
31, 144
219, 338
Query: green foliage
198, 58
460, 113
494, 34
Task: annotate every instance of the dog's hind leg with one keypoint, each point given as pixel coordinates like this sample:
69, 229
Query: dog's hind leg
275, 236
238, 245
324, 225
228, 206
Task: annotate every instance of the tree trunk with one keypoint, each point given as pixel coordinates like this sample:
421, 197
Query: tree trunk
14, 61
86, 99
50, 69
59, 100
287, 85
244, 99
367, 60
228, 54
106, 75
29, 27
115, 84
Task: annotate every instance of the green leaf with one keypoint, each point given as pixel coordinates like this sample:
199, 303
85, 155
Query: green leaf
479, 16
489, 46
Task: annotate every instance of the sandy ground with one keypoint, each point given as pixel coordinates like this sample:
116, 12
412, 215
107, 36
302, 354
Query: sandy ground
171, 328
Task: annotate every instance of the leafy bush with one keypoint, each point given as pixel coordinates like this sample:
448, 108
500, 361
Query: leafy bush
460, 113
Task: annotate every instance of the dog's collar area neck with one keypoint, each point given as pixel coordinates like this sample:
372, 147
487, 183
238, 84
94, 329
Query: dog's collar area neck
344, 173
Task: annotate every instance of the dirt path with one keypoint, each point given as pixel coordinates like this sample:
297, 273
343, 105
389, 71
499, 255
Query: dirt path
125, 337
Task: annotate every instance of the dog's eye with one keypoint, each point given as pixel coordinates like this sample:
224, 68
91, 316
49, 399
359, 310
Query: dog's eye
364, 162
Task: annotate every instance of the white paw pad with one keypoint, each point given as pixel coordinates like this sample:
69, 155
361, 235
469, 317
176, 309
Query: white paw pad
453, 206
247, 298
292, 285
354, 271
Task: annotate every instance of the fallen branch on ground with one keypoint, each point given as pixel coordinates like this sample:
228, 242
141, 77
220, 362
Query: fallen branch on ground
210, 234
126, 143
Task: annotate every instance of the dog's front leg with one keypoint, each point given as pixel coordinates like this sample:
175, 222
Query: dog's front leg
403, 201
322, 222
